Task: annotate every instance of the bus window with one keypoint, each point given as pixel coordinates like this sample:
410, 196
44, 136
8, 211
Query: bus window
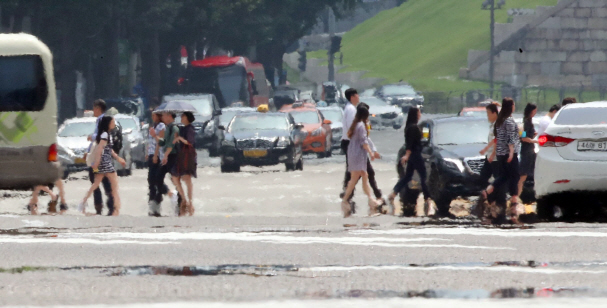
22, 83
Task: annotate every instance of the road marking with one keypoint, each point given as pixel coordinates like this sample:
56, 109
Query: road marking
481, 232
533, 270
284, 238
55, 240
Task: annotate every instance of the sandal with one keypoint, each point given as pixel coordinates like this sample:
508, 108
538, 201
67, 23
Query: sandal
52, 206
514, 213
63, 208
346, 209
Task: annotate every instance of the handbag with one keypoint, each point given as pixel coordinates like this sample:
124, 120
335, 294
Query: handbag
90, 157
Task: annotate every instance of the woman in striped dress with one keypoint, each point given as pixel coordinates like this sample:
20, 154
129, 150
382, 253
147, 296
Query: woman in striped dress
103, 165
507, 147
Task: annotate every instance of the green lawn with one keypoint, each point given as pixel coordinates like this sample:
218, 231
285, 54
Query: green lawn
424, 42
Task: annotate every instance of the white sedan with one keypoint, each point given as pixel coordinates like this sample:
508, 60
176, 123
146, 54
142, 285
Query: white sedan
573, 154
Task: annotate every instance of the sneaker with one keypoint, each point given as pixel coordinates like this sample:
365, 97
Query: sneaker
82, 207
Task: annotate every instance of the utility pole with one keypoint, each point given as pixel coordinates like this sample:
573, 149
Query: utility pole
330, 53
492, 51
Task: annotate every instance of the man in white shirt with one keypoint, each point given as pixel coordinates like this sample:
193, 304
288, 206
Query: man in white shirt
547, 119
348, 118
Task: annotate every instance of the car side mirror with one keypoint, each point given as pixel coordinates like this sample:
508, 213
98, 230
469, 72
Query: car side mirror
299, 126
326, 122
221, 127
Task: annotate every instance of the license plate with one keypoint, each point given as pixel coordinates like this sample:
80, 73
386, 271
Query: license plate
255, 153
592, 146
80, 160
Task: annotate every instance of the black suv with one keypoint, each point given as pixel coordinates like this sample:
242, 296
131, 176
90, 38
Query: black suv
262, 139
208, 134
451, 149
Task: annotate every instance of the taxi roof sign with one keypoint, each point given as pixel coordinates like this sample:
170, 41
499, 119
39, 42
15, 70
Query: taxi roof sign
263, 108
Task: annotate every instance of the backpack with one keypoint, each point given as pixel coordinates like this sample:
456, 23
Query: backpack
117, 139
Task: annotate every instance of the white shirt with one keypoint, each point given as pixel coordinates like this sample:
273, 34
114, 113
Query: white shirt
349, 114
544, 122
491, 140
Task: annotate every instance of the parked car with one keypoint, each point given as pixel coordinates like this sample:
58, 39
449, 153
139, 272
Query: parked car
335, 115
319, 134
133, 133
572, 158
262, 139
206, 123
72, 137
382, 114
401, 95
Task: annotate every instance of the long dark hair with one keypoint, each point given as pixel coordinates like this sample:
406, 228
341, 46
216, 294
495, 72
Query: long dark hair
412, 116
362, 115
103, 127
505, 112
528, 110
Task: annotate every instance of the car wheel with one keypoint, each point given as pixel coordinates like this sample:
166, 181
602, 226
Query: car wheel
441, 198
321, 155
66, 174
299, 165
290, 166
397, 126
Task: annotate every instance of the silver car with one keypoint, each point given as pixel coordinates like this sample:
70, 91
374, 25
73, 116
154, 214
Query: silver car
73, 144
335, 115
382, 114
133, 134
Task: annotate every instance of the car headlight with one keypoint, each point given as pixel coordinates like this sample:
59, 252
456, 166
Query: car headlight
283, 142
227, 142
390, 98
454, 164
400, 114
317, 132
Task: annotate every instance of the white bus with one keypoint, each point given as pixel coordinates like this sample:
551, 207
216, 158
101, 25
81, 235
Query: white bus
28, 113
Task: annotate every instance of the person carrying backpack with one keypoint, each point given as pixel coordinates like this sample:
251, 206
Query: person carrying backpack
167, 144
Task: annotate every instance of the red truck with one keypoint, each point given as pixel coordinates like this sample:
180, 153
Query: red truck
230, 79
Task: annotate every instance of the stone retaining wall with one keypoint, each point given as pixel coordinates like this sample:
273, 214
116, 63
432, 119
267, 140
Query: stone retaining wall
568, 49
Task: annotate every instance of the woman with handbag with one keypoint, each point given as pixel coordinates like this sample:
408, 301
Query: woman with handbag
102, 164
185, 167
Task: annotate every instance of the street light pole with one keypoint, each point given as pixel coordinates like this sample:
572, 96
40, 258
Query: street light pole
331, 21
492, 50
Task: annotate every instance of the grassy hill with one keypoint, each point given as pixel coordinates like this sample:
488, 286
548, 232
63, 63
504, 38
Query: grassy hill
424, 42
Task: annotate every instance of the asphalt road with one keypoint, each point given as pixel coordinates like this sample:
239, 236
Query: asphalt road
268, 238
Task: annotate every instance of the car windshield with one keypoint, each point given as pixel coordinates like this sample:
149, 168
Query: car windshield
398, 90
204, 105
127, 123
372, 101
258, 122
306, 117
474, 114
335, 116
227, 116
582, 116
77, 129
461, 132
